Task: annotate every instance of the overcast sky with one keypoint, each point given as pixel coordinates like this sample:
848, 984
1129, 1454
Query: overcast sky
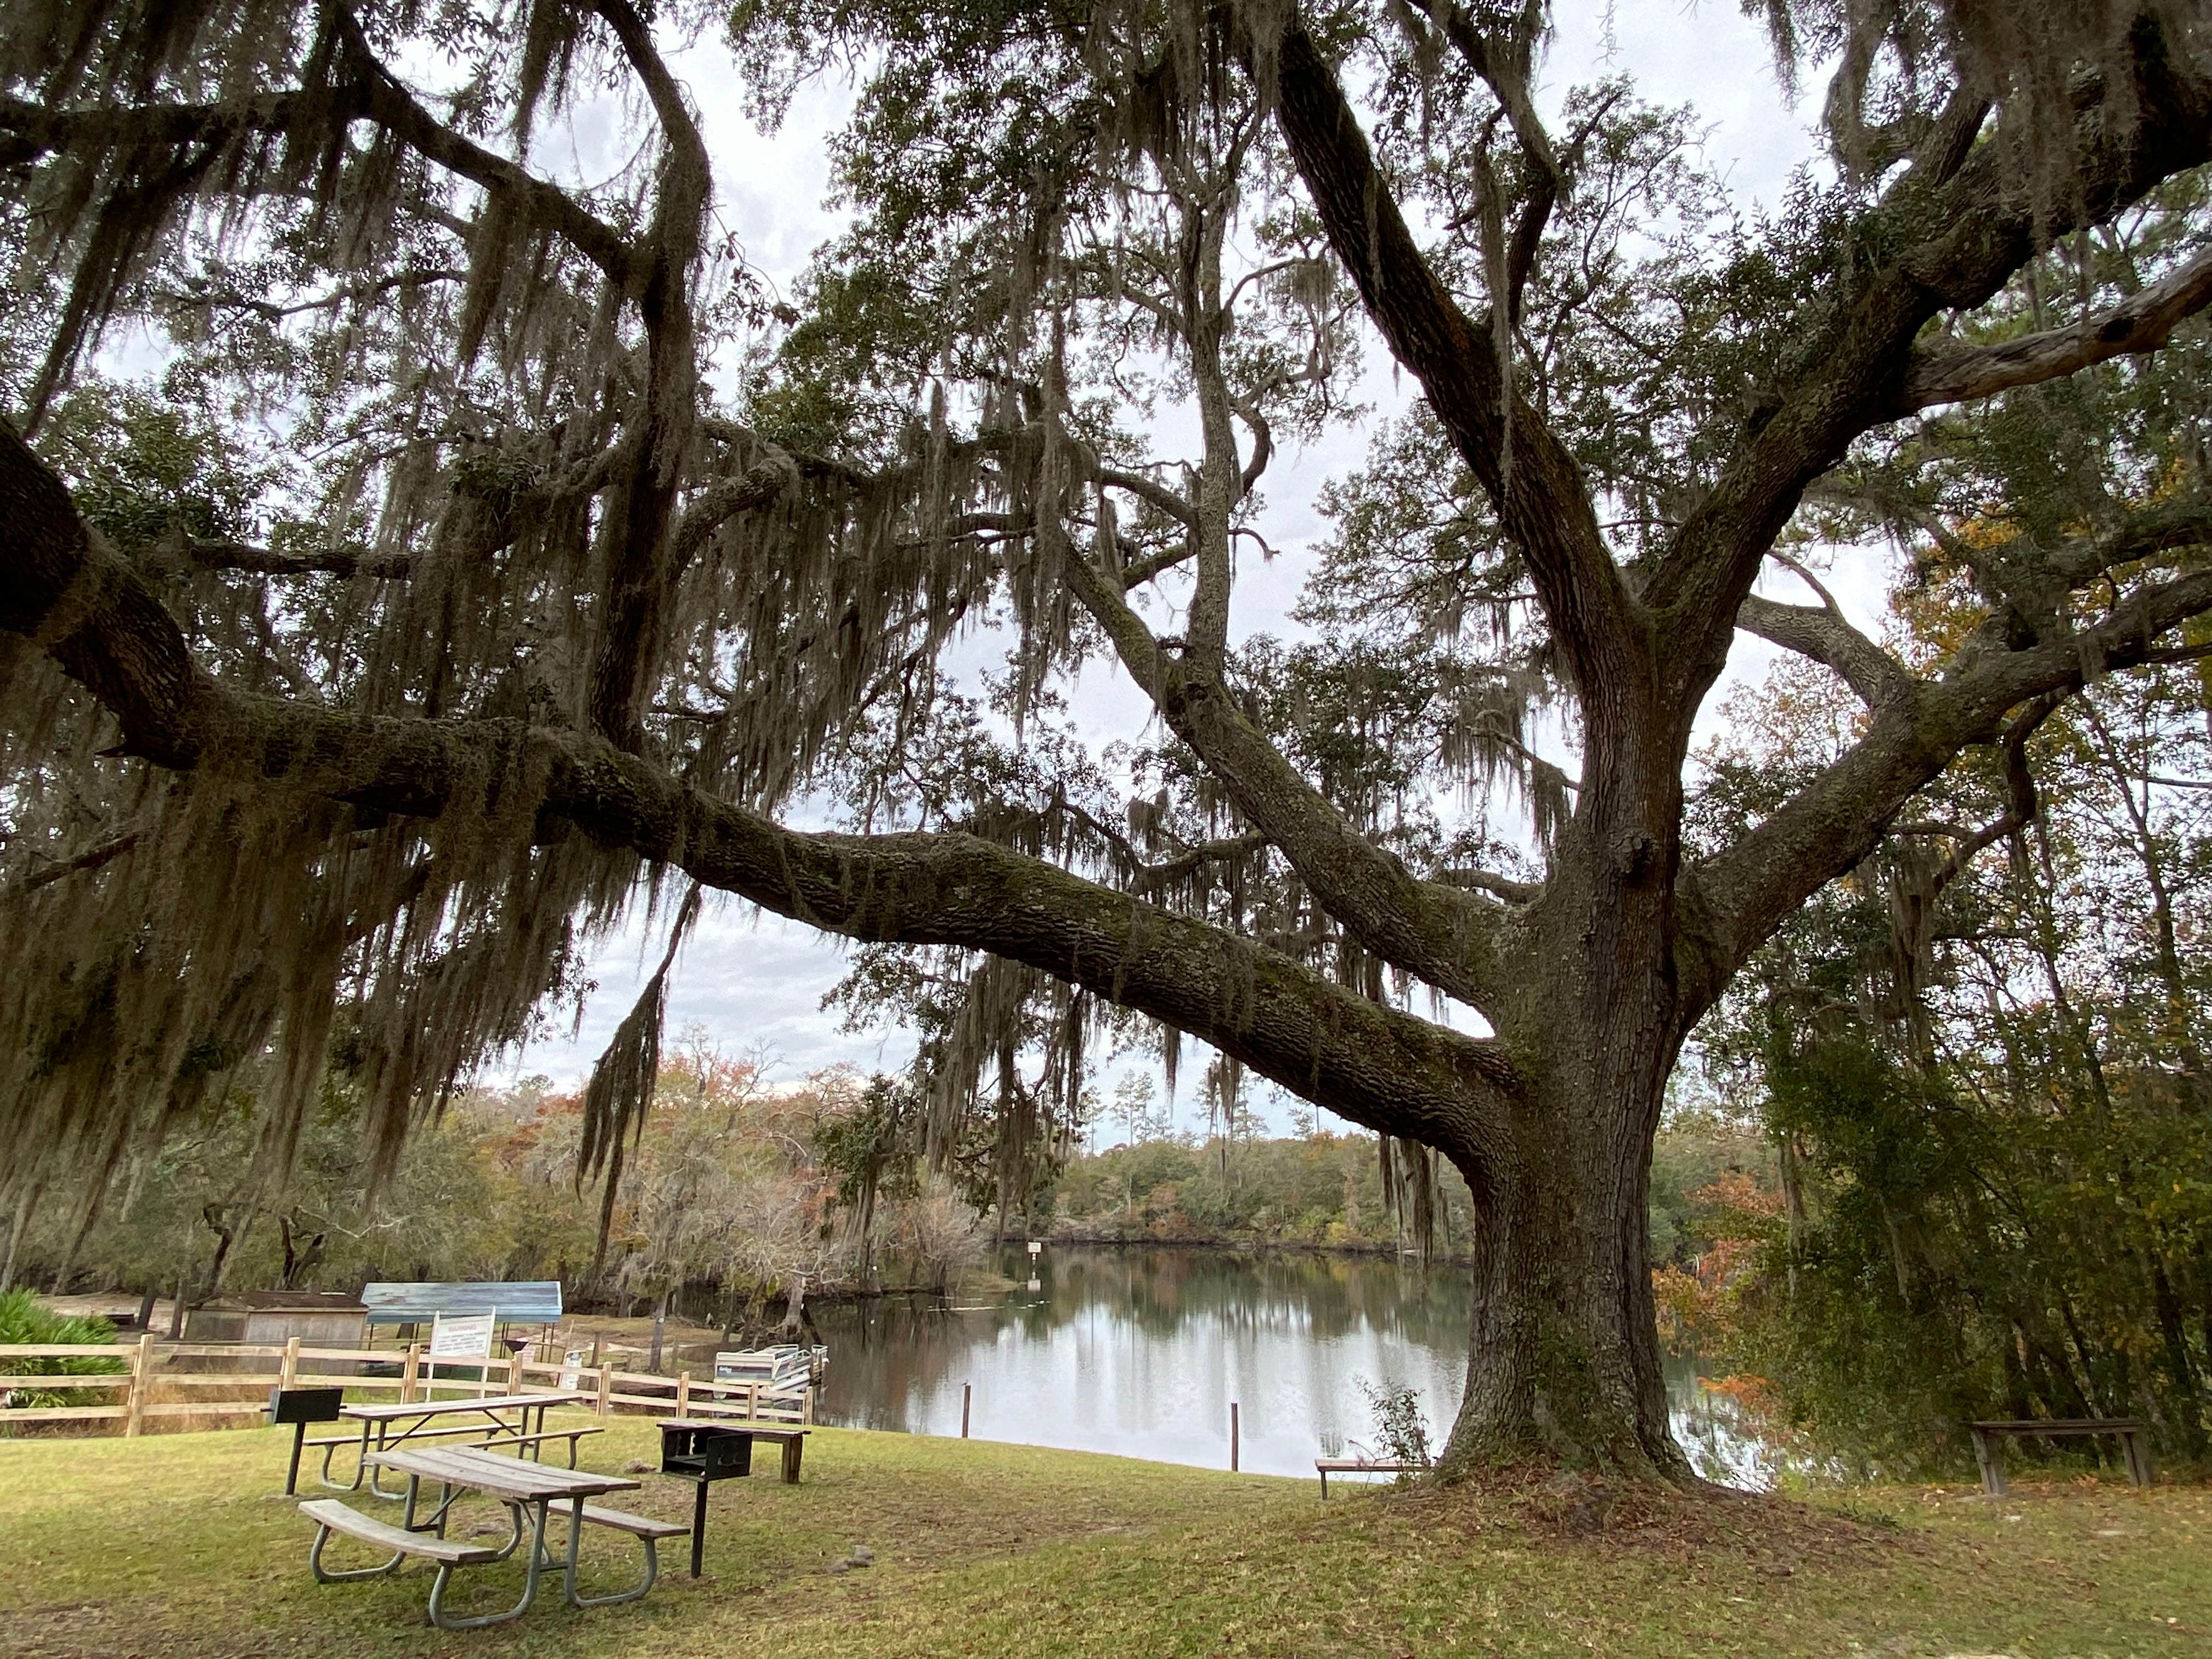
756, 982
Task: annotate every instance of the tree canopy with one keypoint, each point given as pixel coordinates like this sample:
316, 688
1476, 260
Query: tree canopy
494, 549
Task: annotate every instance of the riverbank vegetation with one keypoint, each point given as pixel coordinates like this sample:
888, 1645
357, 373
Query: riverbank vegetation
185, 1545
1328, 1190
1979, 1084
724, 1205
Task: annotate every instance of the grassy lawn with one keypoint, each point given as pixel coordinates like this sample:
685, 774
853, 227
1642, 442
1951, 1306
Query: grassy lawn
183, 1545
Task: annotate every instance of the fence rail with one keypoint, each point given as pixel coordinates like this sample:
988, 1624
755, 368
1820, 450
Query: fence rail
146, 1375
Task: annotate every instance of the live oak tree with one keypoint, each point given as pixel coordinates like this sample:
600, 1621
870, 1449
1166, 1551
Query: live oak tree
527, 614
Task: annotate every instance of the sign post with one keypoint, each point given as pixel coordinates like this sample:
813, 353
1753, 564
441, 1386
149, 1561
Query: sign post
467, 1336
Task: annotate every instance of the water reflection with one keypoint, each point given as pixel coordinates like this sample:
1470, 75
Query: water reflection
1140, 1352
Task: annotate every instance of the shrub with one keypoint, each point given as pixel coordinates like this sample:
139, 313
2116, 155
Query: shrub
24, 1319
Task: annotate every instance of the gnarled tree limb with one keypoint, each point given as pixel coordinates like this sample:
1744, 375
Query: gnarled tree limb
2143, 322
105, 628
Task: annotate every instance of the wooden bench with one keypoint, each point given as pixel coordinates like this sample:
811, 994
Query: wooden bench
331, 1516
793, 1441
1989, 1444
1325, 1467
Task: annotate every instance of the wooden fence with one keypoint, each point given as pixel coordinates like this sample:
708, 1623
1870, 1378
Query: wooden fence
146, 1389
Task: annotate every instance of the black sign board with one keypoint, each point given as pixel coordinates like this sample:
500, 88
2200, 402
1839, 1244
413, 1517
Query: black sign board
304, 1404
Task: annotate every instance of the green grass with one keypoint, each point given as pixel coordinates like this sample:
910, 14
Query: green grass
183, 1545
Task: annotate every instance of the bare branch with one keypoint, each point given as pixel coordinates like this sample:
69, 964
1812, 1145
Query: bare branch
92, 858
2141, 323
1826, 636
261, 562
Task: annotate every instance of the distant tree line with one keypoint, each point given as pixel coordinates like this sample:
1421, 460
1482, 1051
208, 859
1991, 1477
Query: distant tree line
727, 1201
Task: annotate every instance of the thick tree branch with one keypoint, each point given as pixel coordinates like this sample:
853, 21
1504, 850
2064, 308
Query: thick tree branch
2143, 322
1542, 504
1504, 68
1487, 881
34, 129
1427, 928
646, 558
1977, 223
1823, 635
104, 626
386, 101
767, 480
1153, 494
1739, 897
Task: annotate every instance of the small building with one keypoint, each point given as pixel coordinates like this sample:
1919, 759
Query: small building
320, 1319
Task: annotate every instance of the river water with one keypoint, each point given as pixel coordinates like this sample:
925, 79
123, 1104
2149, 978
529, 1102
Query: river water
1140, 1352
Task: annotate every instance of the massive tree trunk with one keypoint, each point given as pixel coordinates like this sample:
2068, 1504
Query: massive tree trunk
1562, 1357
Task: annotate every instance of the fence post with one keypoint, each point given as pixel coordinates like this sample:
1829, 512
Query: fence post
289, 1371
606, 1387
808, 1418
683, 1393
141, 1366
410, 1373
1232, 1437
967, 1395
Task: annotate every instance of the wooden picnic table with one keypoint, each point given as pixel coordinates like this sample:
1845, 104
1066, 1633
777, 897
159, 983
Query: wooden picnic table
529, 1491
506, 1418
1990, 1438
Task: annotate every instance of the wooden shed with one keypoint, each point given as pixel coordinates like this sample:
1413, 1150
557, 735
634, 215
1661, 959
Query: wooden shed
320, 1319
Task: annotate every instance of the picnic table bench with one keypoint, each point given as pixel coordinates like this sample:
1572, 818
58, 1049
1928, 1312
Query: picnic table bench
1325, 1467
531, 1493
1988, 1443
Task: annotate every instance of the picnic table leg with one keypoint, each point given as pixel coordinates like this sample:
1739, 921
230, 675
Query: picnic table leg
2138, 1455
360, 1467
1324, 1484
1991, 1456
652, 1565
438, 1615
698, 1527
793, 1449
375, 1473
